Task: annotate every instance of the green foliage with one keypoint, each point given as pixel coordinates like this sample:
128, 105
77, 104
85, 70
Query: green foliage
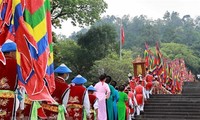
99, 41
97, 49
172, 28
111, 65
81, 12
94, 45
65, 51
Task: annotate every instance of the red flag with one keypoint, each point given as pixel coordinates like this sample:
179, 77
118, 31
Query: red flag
122, 35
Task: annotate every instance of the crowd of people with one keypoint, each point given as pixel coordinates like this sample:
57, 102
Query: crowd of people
104, 100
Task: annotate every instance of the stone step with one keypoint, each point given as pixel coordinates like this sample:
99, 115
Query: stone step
191, 84
169, 113
169, 117
190, 94
165, 118
168, 100
176, 96
193, 87
191, 90
170, 107
173, 104
185, 106
171, 110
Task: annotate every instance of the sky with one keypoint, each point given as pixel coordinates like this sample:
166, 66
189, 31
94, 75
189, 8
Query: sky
151, 8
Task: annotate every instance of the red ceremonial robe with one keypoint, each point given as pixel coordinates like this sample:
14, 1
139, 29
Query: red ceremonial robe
149, 79
8, 84
131, 95
132, 84
75, 103
139, 94
92, 99
51, 111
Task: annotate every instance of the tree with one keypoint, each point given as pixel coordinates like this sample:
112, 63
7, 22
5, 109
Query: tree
111, 65
80, 12
99, 41
65, 51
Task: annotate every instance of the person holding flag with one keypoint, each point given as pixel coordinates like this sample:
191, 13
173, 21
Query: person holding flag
9, 102
60, 94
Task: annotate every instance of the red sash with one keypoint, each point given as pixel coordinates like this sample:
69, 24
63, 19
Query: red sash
51, 111
75, 103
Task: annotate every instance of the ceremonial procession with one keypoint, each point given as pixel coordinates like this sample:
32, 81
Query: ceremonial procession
47, 76
103, 101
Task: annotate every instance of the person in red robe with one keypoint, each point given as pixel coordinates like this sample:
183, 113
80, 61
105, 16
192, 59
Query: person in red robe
140, 97
130, 104
132, 81
8, 83
60, 94
78, 100
93, 103
134, 104
149, 85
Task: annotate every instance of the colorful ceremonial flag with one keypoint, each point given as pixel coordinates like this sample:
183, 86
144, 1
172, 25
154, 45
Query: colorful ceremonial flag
30, 21
122, 35
6, 28
146, 56
159, 55
50, 65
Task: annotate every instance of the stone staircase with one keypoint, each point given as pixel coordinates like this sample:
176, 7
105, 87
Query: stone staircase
185, 106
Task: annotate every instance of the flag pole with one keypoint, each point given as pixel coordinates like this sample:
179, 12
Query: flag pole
120, 46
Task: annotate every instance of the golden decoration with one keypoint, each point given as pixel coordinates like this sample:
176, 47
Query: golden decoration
50, 107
